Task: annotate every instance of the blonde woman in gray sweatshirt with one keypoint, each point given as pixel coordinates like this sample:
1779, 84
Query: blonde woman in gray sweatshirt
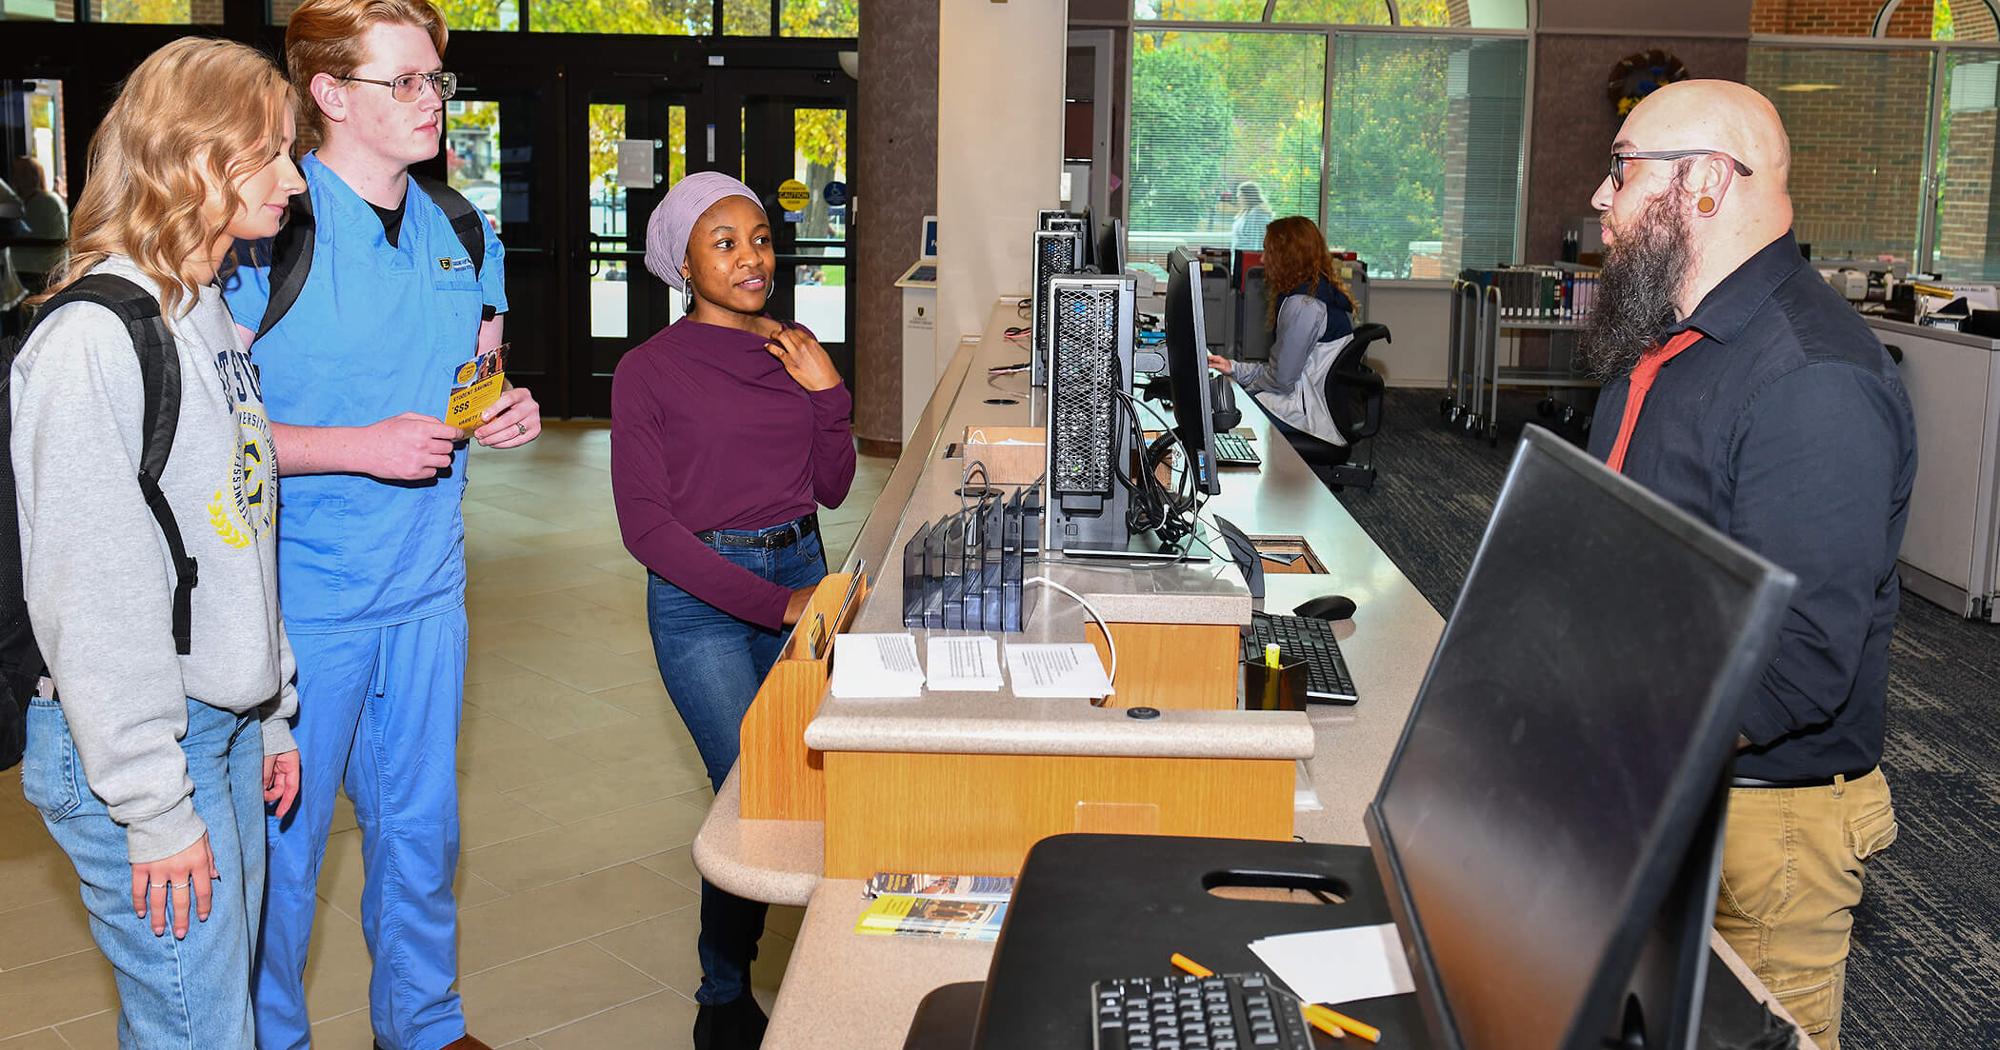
152, 770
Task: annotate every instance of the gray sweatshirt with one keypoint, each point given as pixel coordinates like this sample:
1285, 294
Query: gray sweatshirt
99, 579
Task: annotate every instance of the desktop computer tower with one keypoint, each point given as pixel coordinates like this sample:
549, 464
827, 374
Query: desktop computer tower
1089, 327
1055, 253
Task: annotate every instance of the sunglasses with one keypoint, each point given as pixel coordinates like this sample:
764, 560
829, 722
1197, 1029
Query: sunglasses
1618, 161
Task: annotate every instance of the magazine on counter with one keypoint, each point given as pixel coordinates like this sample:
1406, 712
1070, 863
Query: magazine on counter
954, 920
994, 889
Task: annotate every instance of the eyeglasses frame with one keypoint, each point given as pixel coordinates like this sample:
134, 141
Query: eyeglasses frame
437, 80
1618, 160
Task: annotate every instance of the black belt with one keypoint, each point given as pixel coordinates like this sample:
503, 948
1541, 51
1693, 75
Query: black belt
1803, 782
766, 540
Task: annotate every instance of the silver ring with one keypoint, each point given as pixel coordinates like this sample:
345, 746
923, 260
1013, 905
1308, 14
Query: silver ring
522, 427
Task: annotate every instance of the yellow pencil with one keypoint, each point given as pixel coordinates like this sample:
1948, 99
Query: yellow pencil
1326, 1024
1316, 1013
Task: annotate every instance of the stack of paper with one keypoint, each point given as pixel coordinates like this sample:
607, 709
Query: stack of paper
964, 664
876, 665
1062, 670
1339, 966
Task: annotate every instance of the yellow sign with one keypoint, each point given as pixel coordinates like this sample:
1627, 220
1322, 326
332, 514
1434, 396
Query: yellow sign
794, 195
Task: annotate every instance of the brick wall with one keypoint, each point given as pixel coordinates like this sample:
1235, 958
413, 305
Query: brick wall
1857, 134
1966, 219
1972, 19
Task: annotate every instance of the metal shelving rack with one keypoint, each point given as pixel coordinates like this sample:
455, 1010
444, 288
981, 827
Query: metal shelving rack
1476, 375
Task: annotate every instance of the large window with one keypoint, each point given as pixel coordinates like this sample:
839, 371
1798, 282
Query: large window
1857, 120
1966, 244
1425, 171
1417, 165
1227, 133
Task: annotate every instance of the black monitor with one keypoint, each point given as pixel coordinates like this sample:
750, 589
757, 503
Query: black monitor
1111, 248
1187, 368
1549, 826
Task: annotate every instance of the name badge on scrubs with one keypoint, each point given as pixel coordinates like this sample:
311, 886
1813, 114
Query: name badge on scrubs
475, 386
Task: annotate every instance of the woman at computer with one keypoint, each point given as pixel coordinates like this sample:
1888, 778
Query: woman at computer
1313, 315
728, 429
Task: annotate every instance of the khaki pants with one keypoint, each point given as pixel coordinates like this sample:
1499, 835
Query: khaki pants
1791, 876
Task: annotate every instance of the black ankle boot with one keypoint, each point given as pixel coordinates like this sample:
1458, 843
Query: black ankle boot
735, 1025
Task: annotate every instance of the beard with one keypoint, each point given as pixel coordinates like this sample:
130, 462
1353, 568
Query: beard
1638, 290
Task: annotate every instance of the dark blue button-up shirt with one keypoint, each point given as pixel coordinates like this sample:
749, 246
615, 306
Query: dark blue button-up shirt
1787, 428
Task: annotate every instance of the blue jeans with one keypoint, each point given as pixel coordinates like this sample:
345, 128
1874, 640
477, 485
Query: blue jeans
712, 664
378, 714
184, 994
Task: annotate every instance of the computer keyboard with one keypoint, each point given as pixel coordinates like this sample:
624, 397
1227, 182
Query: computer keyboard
1235, 450
1225, 1012
1327, 678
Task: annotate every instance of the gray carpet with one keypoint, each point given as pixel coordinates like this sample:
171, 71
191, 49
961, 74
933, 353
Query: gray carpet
1924, 972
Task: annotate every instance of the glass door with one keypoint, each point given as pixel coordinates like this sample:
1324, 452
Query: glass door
793, 135
498, 132
633, 148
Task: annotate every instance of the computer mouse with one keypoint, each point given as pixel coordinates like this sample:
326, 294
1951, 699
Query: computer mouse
1328, 607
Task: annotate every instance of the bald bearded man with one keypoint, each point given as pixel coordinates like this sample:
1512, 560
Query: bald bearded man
1742, 389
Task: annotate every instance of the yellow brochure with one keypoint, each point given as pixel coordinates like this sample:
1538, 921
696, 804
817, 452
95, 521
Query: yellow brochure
475, 385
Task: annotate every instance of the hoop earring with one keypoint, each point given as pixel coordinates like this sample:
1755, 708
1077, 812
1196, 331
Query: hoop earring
1705, 205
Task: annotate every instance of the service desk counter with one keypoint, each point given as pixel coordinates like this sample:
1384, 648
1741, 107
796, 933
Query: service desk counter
850, 992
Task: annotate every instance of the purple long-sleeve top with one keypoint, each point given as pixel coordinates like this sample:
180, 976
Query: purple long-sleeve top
708, 431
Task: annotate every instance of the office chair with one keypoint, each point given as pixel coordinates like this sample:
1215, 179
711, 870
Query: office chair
1354, 397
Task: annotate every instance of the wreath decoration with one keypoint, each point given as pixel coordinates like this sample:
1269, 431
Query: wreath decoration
1640, 75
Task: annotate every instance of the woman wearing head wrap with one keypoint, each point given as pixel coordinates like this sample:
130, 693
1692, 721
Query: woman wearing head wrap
728, 428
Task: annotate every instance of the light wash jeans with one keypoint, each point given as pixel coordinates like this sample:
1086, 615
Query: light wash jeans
712, 664
191, 994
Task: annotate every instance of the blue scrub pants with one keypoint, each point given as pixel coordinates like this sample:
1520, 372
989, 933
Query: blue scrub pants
712, 664
378, 714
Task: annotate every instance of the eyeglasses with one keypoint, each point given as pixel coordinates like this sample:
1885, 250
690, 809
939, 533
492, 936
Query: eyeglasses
407, 87
1618, 161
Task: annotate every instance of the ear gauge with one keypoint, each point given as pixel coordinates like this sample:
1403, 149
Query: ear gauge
1705, 205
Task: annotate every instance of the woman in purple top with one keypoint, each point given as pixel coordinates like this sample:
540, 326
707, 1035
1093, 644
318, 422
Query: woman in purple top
727, 430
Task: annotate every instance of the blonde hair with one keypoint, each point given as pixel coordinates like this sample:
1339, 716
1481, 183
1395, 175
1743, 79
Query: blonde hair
194, 120
324, 36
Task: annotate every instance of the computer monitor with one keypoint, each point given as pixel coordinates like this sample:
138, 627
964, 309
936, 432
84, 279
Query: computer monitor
1187, 368
1111, 248
1548, 829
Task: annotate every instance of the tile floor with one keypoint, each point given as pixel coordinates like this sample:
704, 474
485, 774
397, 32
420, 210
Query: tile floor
580, 794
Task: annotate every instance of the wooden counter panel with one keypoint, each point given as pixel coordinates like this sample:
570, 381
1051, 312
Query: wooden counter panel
978, 814
782, 778
1188, 667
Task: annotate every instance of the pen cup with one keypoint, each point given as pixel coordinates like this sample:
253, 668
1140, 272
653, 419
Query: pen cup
1280, 688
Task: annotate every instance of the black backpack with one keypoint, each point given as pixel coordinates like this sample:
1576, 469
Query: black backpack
289, 254
21, 665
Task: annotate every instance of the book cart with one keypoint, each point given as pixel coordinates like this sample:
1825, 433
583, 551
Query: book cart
1480, 312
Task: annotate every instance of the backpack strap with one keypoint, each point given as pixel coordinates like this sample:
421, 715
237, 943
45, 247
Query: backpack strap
290, 259
160, 374
290, 252
466, 223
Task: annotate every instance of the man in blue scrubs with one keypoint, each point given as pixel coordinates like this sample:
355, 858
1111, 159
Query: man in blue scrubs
371, 539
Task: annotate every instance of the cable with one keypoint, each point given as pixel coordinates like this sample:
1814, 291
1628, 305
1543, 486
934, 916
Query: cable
1109, 642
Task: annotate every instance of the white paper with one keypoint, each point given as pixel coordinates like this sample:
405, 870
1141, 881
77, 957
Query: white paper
1069, 670
876, 665
1339, 966
966, 663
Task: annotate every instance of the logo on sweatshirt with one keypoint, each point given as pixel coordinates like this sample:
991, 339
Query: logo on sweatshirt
245, 510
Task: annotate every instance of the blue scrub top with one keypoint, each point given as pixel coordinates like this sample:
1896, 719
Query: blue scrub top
376, 331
